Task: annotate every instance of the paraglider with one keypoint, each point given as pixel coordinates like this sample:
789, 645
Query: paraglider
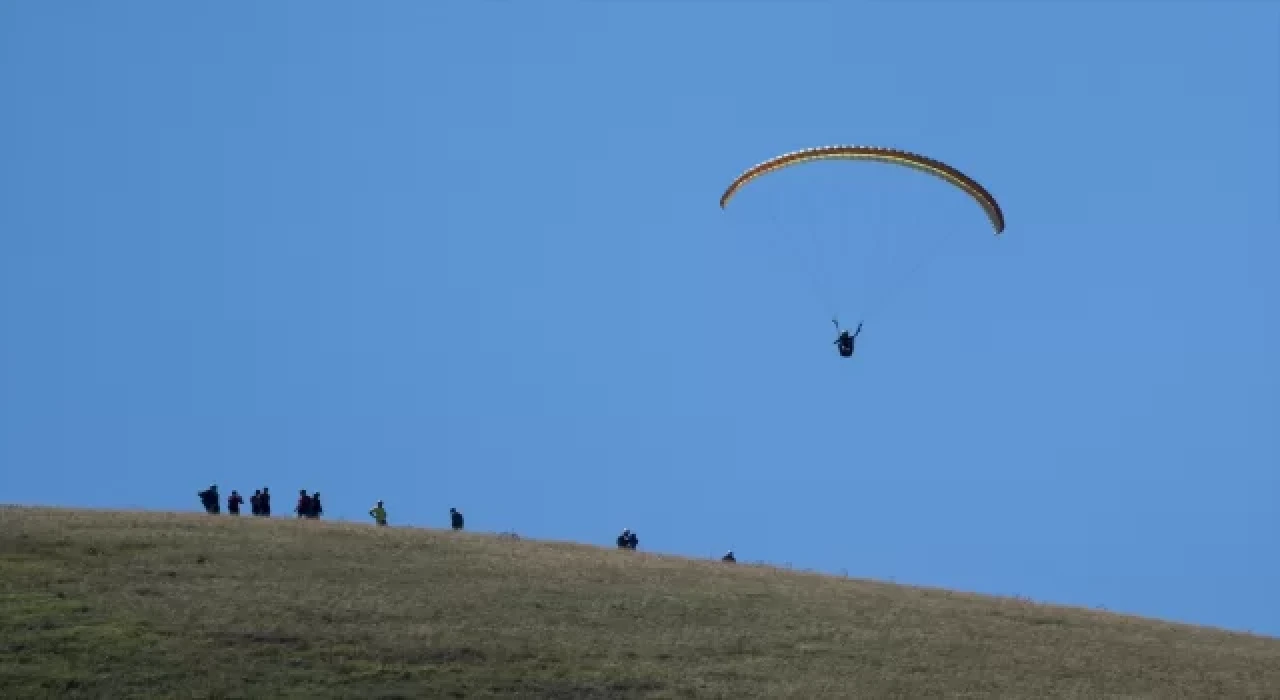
846, 340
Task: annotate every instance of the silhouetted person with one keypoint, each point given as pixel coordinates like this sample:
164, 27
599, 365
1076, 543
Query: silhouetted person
303, 509
379, 514
266, 502
255, 502
845, 341
455, 518
316, 509
209, 499
233, 502
728, 556
628, 539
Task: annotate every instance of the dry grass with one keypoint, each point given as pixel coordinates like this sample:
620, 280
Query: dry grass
149, 605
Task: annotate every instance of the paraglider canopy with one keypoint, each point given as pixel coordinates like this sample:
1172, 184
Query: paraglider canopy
877, 154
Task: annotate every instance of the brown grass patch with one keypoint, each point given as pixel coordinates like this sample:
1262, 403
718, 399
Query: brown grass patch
118, 604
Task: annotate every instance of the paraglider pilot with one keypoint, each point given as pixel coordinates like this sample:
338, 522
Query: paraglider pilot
845, 341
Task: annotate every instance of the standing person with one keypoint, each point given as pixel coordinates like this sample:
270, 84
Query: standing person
234, 501
455, 518
379, 514
266, 502
255, 502
303, 509
209, 499
316, 508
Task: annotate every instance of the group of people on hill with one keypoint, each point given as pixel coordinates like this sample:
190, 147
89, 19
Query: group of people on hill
379, 514
629, 540
259, 502
309, 506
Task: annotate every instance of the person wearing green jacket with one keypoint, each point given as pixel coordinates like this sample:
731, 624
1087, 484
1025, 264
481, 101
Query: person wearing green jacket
379, 514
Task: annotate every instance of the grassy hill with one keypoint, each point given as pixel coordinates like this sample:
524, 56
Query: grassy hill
119, 605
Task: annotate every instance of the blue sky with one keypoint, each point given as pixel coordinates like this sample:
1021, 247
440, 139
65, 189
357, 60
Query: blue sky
470, 254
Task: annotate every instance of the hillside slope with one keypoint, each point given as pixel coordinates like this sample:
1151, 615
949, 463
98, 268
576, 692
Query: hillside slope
113, 604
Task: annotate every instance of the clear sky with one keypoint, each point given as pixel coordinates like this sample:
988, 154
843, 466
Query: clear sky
469, 254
